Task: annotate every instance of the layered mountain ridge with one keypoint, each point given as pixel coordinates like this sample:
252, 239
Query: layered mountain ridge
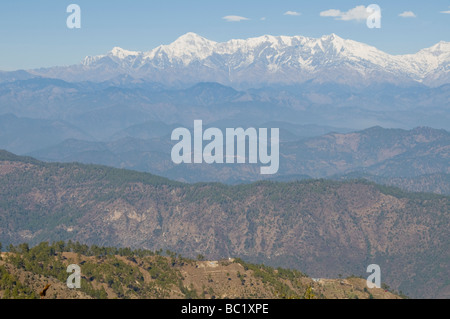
324, 228
262, 61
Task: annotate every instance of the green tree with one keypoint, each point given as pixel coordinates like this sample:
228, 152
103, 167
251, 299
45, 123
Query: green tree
309, 293
60, 246
24, 248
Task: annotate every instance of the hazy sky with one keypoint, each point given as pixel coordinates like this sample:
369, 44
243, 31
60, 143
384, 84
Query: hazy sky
34, 33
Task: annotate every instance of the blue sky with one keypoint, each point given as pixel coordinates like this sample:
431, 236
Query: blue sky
34, 33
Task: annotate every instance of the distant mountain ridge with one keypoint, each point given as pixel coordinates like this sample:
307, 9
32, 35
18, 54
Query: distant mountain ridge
397, 157
261, 61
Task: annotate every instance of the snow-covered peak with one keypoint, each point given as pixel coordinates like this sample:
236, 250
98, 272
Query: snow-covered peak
186, 48
122, 53
192, 38
439, 48
427, 61
435, 55
91, 59
275, 57
335, 41
116, 54
331, 37
275, 41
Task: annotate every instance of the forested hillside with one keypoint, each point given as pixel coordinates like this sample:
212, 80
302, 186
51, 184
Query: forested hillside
325, 228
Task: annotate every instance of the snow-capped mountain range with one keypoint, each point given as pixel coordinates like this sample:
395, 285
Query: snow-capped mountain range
263, 61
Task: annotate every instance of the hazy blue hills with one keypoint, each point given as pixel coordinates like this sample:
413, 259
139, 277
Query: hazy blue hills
126, 123
15, 76
22, 135
388, 154
309, 103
